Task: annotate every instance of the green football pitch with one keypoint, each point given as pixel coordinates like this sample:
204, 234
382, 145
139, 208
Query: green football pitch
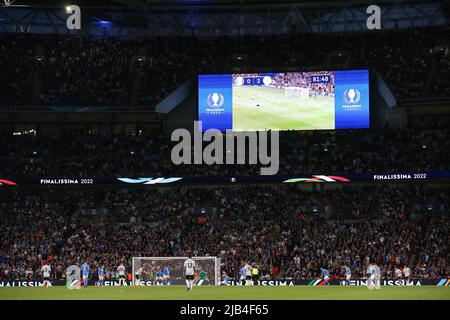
278, 112
227, 293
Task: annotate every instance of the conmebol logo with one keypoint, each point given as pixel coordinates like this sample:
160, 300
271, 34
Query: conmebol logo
148, 180
8, 182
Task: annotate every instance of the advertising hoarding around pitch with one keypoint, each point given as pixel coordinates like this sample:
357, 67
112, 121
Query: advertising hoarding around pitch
324, 100
443, 282
207, 180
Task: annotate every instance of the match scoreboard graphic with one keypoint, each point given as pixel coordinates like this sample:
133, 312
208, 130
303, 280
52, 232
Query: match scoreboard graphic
324, 100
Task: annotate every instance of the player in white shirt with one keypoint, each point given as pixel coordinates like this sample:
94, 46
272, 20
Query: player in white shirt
46, 274
348, 274
189, 267
398, 273
407, 273
121, 271
248, 274
137, 276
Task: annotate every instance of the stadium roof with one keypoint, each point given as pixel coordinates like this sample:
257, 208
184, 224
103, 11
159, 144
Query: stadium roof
184, 3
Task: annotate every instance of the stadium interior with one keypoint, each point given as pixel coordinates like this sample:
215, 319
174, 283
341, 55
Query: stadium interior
87, 114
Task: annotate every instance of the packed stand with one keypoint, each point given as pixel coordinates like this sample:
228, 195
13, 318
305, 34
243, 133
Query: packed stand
250, 224
90, 72
78, 71
71, 154
17, 60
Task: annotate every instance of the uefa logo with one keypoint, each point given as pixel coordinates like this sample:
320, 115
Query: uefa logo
215, 100
352, 96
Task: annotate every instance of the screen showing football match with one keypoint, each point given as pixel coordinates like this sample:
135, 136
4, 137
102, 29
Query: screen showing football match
324, 100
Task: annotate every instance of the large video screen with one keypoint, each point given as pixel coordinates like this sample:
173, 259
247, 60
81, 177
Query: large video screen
324, 100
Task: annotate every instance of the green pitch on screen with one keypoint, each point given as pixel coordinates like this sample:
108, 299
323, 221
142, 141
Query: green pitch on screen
228, 293
276, 111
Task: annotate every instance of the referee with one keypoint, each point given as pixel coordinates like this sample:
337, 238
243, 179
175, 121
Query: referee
255, 275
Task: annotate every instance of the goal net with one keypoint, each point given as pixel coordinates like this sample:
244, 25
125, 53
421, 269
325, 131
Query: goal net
170, 270
296, 92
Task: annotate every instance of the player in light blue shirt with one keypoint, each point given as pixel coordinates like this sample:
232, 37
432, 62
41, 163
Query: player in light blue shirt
372, 270
85, 273
101, 274
374, 280
326, 276
348, 275
243, 274
225, 279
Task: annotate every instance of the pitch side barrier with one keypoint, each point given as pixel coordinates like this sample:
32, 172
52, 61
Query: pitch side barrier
279, 282
208, 180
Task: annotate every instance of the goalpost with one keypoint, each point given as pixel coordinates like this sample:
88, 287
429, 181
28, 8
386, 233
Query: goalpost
297, 92
152, 265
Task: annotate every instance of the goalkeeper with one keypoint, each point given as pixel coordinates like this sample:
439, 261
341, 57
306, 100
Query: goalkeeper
201, 277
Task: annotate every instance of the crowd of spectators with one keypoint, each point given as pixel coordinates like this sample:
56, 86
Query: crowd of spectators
17, 61
69, 70
406, 65
266, 225
439, 86
70, 154
84, 72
